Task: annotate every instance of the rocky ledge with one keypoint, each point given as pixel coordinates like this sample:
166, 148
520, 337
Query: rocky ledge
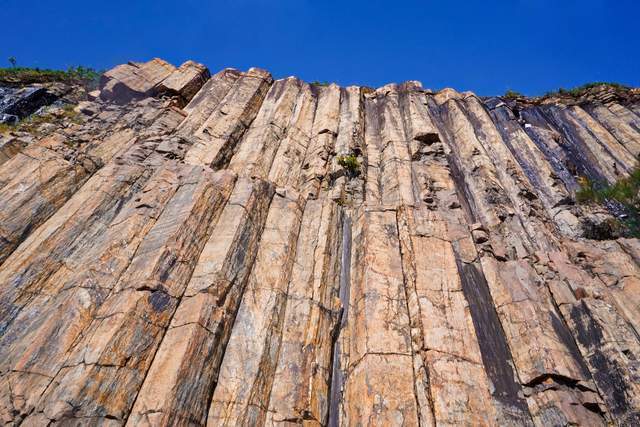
187, 249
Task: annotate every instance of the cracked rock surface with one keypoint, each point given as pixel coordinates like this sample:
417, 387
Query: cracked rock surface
190, 251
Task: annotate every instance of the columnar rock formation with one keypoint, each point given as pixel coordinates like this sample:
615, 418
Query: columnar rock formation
197, 254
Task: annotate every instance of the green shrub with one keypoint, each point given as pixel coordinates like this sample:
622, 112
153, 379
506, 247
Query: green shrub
624, 191
350, 163
4, 128
512, 94
586, 193
318, 83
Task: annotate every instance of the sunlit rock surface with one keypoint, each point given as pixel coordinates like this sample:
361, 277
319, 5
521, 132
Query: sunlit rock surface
191, 252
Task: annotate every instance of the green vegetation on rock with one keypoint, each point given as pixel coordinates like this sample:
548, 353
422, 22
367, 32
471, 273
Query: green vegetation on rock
350, 163
87, 77
625, 191
580, 90
512, 94
32, 123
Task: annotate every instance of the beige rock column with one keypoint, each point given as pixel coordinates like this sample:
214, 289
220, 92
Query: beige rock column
626, 114
624, 159
350, 129
323, 135
371, 171
396, 179
517, 186
286, 166
626, 135
41, 181
378, 329
184, 82
216, 139
346, 183
434, 189
255, 152
116, 349
524, 308
534, 164
300, 391
44, 176
246, 374
204, 103
34, 347
488, 201
606, 340
133, 80
452, 319
181, 379
616, 274
557, 383
454, 383
579, 135
75, 225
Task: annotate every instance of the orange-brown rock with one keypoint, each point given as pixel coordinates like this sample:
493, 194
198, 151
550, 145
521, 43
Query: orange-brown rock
184, 82
238, 250
134, 80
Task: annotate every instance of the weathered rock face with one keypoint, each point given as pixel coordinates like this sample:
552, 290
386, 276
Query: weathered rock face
192, 252
135, 80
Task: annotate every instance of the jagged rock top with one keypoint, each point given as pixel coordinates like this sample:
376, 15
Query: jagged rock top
191, 249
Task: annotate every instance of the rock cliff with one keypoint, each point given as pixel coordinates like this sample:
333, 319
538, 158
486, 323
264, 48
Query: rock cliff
231, 249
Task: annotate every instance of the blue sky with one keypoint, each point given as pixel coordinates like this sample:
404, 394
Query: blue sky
486, 46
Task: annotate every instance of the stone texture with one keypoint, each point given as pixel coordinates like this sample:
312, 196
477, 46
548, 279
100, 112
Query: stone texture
134, 80
184, 82
191, 252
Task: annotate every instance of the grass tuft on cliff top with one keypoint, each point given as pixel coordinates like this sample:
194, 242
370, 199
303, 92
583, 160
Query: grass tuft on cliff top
512, 94
581, 90
85, 76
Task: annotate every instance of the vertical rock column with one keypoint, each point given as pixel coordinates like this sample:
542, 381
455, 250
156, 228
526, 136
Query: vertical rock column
74, 226
322, 144
300, 390
259, 145
346, 183
287, 163
250, 358
455, 312
503, 286
34, 347
612, 117
116, 350
217, 138
378, 325
41, 179
179, 385
607, 340
582, 147
204, 103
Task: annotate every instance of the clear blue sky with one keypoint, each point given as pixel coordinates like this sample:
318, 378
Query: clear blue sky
486, 46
